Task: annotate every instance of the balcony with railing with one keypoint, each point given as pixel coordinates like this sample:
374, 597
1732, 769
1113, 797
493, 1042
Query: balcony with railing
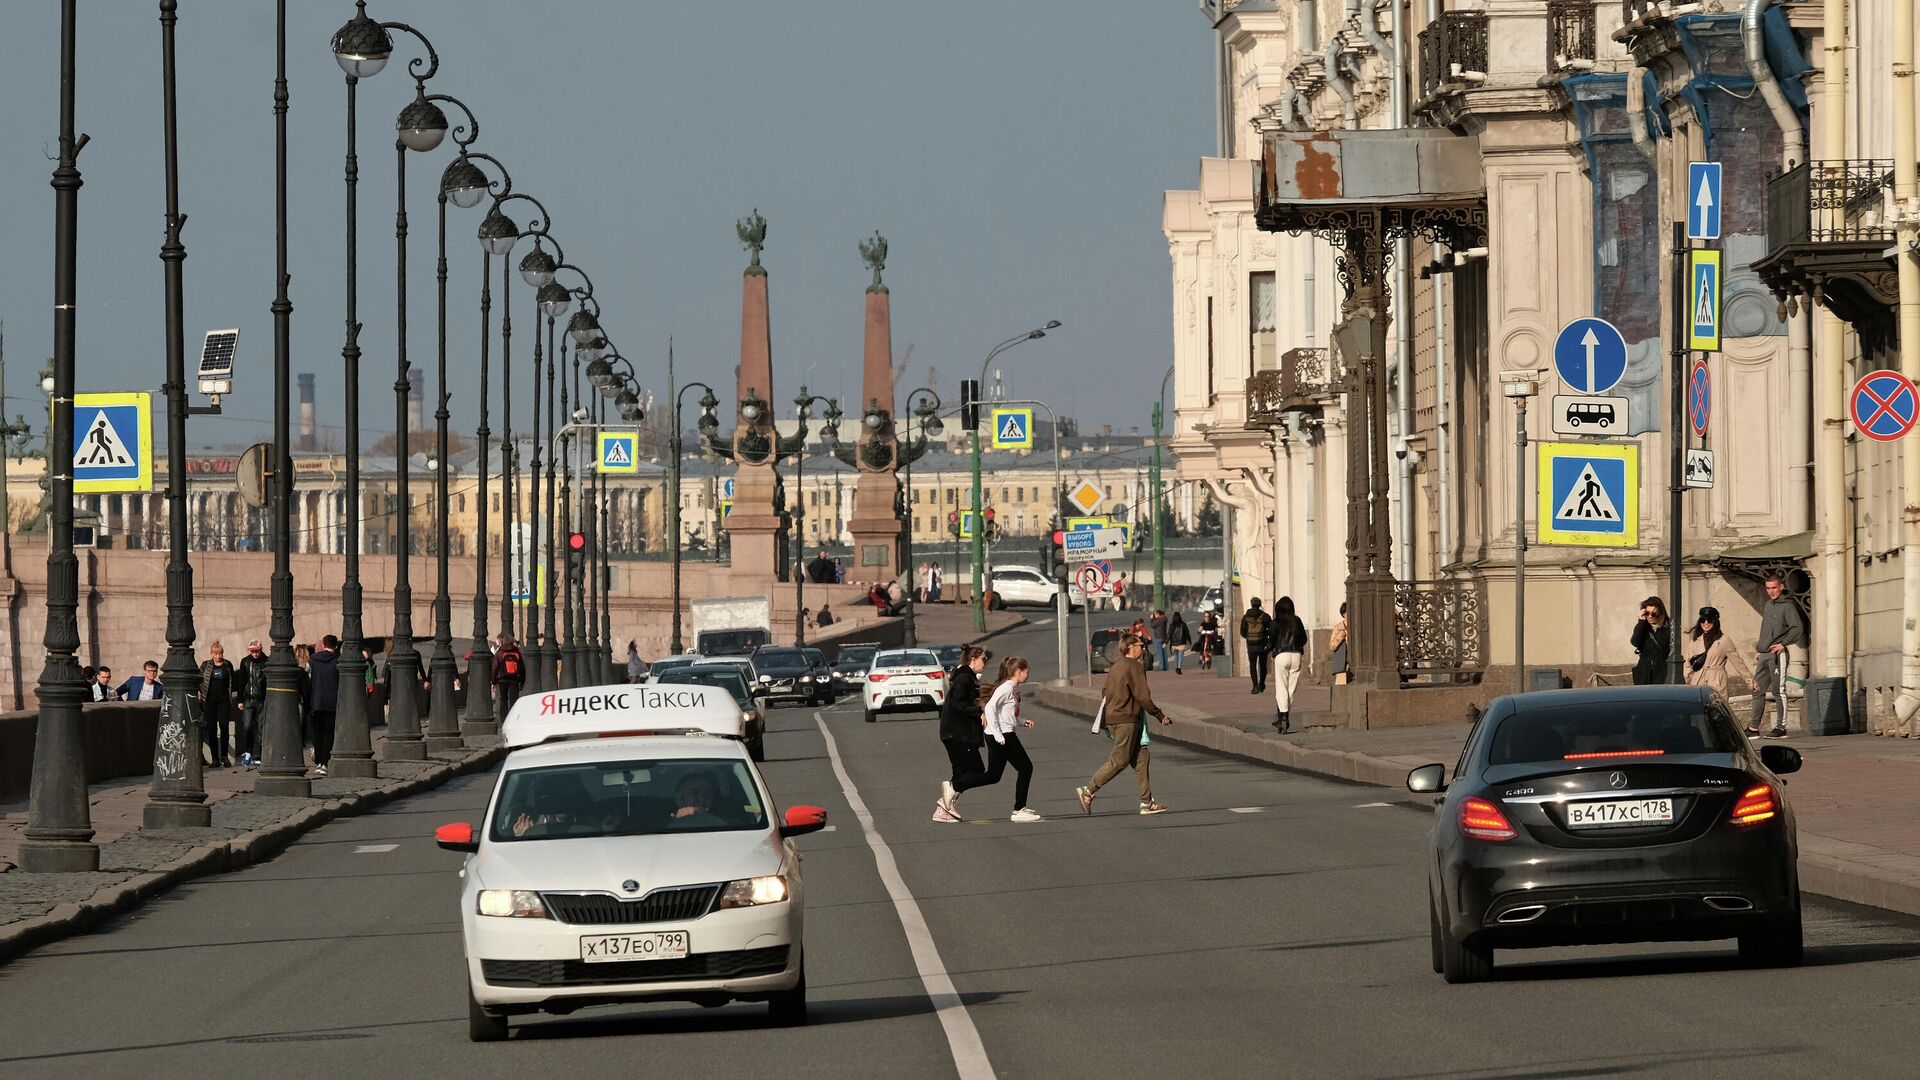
1302, 383
1828, 237
1571, 44
1453, 53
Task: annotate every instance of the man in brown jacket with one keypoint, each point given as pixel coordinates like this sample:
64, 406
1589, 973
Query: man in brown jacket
1127, 703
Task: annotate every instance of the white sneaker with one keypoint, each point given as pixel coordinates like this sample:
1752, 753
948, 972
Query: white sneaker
947, 796
1026, 814
320, 769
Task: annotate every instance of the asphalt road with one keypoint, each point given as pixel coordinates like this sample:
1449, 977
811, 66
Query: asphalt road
1272, 924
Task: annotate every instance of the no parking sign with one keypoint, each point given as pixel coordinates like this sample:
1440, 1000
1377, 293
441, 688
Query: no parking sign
1883, 405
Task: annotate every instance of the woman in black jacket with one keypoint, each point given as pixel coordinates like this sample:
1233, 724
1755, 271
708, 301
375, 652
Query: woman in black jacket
1179, 639
1652, 640
1289, 638
960, 727
217, 679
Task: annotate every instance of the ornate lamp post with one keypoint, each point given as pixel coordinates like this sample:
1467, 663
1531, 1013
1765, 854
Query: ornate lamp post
362, 48
420, 127
537, 270
464, 185
796, 447
497, 234
709, 423
926, 416
979, 533
620, 393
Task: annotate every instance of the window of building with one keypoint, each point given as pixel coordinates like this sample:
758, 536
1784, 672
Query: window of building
1263, 293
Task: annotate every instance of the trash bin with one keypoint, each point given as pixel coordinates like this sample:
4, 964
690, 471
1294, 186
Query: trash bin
1827, 706
1546, 678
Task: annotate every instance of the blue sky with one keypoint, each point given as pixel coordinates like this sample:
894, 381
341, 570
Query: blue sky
1013, 153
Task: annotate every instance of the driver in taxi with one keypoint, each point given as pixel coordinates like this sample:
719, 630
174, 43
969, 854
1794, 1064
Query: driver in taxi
555, 802
693, 799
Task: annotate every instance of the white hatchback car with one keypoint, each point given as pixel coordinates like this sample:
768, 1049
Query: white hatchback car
904, 680
630, 852
1026, 585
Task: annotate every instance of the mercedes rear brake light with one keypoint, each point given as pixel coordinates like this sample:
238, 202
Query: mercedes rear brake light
1482, 820
1612, 753
1755, 806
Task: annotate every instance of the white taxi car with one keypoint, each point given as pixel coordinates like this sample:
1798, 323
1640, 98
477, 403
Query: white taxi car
630, 852
904, 680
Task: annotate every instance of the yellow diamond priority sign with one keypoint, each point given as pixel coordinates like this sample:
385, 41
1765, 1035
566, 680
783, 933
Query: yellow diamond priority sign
1086, 496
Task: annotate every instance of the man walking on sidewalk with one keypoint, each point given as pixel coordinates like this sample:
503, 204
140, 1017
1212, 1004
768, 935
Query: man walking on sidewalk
1157, 626
1783, 627
1125, 704
323, 672
253, 702
1254, 628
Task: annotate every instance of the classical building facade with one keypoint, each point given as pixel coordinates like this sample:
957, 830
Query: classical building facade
1476, 174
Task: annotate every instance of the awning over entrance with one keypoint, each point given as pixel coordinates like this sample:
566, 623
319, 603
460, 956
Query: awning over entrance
1396, 180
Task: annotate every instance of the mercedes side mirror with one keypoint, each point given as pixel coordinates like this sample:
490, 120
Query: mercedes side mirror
1780, 759
1430, 778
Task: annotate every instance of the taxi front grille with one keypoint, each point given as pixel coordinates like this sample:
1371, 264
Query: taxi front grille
601, 909
738, 964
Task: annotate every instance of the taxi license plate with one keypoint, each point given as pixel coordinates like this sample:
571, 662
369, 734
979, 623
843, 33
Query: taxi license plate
909, 699
609, 948
1611, 812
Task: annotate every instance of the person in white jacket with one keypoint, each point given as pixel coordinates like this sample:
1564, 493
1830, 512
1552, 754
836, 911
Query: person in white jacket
1001, 720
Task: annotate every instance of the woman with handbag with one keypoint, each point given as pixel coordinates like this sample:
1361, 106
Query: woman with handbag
1711, 655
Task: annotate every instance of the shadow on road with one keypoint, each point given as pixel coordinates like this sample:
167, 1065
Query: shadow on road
736, 1017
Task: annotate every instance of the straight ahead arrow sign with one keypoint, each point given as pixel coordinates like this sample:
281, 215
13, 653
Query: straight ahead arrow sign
1591, 342
1703, 220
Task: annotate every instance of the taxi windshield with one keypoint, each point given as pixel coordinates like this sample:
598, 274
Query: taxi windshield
627, 798
726, 677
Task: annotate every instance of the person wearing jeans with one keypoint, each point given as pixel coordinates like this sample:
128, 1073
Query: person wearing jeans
1254, 628
1782, 627
1157, 626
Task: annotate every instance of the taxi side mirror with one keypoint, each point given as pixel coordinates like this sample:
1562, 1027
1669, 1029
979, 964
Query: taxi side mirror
802, 820
1428, 778
457, 837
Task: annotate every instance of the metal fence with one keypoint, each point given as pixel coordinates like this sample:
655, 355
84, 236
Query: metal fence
1830, 202
1570, 33
1453, 44
1441, 627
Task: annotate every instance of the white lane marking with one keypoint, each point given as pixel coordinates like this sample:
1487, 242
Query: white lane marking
831, 828
1048, 621
963, 1039
373, 849
1246, 809
1365, 805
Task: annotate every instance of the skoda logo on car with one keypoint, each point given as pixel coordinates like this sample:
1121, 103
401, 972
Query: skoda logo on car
630, 885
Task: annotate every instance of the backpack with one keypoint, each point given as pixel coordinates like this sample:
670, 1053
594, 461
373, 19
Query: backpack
510, 664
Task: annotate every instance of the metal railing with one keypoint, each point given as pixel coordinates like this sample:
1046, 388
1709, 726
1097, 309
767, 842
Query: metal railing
1830, 202
1441, 627
1570, 35
1266, 399
1303, 377
1632, 11
1452, 45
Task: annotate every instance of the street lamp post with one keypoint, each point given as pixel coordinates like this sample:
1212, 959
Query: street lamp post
550, 299
709, 422
496, 234
1519, 385
925, 405
625, 400
830, 435
462, 183
979, 584
509, 449
177, 797
59, 833
361, 48
583, 328
1159, 542
420, 127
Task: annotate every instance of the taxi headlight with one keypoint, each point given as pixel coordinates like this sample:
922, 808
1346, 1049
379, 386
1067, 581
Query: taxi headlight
749, 892
511, 904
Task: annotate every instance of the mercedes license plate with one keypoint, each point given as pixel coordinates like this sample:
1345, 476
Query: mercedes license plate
1594, 815
661, 945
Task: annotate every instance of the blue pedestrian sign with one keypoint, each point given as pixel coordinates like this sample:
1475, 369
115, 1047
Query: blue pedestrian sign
1590, 494
112, 442
1590, 355
1703, 200
1013, 429
1703, 300
620, 452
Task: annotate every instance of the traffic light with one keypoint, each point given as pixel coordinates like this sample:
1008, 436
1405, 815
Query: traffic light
970, 403
577, 556
953, 522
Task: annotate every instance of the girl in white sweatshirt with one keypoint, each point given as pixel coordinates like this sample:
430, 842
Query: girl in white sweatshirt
1001, 718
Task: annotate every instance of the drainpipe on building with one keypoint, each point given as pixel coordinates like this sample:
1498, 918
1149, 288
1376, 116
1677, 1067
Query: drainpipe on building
1637, 113
1309, 524
1330, 63
1799, 448
1404, 458
1836, 570
1307, 39
1906, 187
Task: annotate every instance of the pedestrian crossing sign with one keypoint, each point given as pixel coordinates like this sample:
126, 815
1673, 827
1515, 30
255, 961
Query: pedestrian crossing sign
112, 442
1589, 494
1013, 429
1703, 300
619, 451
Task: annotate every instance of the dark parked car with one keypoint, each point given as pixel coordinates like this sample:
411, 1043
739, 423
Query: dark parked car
949, 655
823, 669
787, 675
850, 665
1587, 817
728, 678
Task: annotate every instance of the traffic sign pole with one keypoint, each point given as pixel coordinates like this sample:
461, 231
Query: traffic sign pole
1677, 439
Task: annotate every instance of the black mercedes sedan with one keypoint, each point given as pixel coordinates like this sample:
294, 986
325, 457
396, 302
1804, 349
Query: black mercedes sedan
787, 675
1620, 814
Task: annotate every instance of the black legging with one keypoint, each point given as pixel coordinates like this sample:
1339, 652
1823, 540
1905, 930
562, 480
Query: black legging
216, 717
999, 756
967, 771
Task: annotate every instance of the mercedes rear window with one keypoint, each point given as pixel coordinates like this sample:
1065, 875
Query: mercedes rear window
1616, 729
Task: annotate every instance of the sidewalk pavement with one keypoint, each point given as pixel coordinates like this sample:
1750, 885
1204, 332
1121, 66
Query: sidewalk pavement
136, 863
1857, 799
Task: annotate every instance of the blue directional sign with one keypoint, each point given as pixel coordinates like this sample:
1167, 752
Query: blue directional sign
1590, 355
1590, 494
1883, 405
112, 442
1703, 200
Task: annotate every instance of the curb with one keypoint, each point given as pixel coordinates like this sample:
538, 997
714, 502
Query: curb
1015, 625
1821, 874
221, 856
